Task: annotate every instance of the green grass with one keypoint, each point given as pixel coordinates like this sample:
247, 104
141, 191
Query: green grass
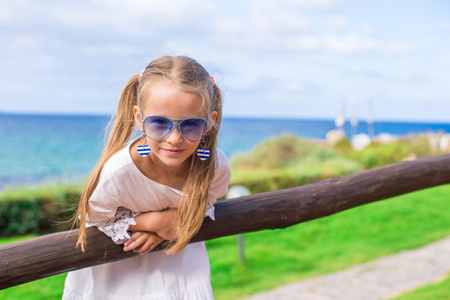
329, 244
44, 289
275, 257
436, 291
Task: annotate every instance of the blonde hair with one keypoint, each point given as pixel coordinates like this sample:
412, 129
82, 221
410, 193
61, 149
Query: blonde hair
188, 75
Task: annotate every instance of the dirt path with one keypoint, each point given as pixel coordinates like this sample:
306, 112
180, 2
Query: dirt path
379, 279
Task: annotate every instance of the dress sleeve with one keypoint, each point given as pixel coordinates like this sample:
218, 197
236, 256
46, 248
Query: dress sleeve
104, 201
106, 212
219, 185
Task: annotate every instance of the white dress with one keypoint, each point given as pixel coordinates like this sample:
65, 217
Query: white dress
156, 275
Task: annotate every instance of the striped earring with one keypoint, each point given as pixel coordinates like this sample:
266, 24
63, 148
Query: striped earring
203, 153
143, 149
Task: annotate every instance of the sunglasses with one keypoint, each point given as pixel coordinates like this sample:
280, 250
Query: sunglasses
157, 127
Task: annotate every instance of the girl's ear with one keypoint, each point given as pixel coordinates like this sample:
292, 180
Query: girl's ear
138, 118
212, 119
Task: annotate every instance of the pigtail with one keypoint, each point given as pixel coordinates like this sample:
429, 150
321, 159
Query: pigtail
121, 128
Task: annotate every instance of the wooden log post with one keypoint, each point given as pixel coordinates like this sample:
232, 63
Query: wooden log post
55, 253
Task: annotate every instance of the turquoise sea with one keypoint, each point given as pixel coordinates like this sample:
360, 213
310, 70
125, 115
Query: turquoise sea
46, 148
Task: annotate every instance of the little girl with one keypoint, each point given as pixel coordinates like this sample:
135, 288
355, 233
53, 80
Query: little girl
159, 186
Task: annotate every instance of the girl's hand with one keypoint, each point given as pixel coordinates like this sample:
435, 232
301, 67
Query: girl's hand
142, 242
163, 223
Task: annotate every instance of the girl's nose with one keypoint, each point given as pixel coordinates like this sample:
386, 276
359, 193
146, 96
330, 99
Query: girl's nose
175, 136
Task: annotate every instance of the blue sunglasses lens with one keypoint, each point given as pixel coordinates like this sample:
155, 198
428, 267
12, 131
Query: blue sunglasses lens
157, 127
193, 129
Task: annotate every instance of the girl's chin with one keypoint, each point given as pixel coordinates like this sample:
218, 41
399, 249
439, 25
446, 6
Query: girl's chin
173, 161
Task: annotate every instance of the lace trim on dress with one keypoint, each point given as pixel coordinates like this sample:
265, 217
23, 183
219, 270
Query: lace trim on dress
210, 212
117, 227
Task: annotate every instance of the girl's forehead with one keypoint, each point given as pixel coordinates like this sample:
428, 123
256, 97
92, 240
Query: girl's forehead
167, 100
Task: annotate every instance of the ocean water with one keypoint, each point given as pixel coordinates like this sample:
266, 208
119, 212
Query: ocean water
37, 149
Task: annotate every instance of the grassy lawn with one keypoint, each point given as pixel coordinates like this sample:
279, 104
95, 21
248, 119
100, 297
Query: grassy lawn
275, 257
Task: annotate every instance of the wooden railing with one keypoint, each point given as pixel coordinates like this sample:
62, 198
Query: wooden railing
55, 253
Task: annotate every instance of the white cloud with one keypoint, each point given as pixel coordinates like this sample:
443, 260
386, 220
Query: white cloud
399, 47
134, 17
301, 43
351, 43
335, 22
273, 18
111, 49
302, 47
314, 4
418, 93
26, 42
427, 95
293, 86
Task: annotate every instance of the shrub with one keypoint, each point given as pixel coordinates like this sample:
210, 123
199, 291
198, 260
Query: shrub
288, 161
41, 210
380, 154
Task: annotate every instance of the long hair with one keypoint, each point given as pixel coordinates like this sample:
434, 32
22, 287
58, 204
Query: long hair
189, 76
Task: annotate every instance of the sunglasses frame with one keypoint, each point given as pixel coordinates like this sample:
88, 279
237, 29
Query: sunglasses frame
180, 120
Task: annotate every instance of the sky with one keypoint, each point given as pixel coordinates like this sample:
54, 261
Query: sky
386, 60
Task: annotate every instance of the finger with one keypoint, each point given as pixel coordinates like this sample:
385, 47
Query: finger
133, 237
146, 248
149, 245
139, 240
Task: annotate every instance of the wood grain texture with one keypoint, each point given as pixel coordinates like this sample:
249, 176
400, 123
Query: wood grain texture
53, 254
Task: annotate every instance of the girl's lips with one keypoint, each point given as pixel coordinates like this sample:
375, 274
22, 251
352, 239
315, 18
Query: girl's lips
172, 151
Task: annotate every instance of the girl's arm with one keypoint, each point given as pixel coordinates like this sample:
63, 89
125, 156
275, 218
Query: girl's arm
163, 223
151, 229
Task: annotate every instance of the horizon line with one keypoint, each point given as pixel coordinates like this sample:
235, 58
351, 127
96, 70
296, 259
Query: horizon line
254, 117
